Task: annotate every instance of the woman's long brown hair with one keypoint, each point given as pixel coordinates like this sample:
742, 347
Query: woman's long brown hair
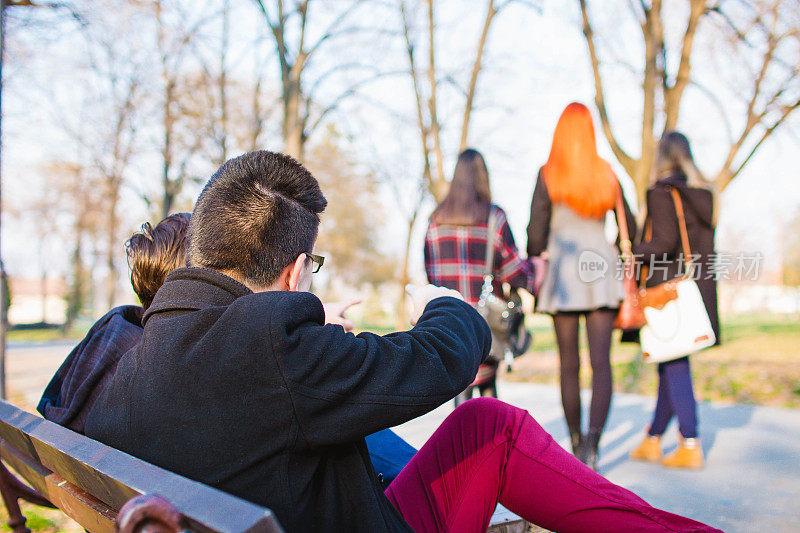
155, 251
574, 173
469, 199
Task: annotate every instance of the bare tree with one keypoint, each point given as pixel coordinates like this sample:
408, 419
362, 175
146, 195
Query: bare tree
348, 232
71, 210
426, 89
4, 6
107, 127
766, 41
183, 125
302, 111
759, 30
241, 106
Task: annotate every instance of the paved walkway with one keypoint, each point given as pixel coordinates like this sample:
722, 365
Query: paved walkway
751, 481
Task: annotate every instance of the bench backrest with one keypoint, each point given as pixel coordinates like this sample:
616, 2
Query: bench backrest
90, 481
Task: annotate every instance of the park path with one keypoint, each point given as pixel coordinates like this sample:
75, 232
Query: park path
751, 481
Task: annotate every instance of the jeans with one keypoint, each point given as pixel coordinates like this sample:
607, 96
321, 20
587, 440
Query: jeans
675, 397
389, 453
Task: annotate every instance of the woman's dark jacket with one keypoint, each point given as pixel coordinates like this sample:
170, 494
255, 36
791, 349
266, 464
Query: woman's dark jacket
663, 249
87, 369
539, 225
255, 395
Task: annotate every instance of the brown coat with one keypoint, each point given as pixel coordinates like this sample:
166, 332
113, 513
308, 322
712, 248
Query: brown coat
664, 245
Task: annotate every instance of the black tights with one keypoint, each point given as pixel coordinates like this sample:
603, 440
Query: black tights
599, 325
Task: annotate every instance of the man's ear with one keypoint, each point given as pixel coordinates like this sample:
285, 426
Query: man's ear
295, 270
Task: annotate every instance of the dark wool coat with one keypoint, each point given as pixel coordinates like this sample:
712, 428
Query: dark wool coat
87, 369
664, 246
255, 395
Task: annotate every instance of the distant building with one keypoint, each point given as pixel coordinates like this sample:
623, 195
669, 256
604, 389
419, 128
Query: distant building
744, 298
37, 300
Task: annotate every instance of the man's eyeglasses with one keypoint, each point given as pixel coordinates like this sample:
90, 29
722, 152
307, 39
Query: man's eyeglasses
318, 261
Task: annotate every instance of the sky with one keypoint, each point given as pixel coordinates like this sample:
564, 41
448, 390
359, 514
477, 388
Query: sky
536, 63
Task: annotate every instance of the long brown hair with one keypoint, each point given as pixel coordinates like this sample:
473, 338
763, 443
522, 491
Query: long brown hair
469, 199
674, 155
154, 252
575, 174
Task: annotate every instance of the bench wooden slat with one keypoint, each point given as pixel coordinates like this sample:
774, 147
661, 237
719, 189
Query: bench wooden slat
113, 477
78, 504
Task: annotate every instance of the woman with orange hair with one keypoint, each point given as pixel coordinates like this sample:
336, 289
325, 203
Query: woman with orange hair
574, 191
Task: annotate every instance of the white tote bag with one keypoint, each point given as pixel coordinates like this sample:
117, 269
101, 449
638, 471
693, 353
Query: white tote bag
677, 320
681, 327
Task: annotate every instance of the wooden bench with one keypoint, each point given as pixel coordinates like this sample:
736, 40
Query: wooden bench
104, 489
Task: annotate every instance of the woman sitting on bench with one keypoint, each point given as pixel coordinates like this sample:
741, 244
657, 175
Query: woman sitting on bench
153, 252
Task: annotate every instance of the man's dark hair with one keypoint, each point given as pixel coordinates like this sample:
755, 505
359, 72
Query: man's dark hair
256, 214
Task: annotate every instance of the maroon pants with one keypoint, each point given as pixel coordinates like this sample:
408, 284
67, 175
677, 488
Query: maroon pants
487, 452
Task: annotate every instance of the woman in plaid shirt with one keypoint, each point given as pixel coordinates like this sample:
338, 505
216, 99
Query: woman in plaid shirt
455, 250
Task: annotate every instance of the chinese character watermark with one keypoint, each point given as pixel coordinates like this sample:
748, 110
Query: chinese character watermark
718, 266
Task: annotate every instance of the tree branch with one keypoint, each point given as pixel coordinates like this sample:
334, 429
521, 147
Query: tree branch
476, 69
725, 176
599, 99
653, 32
331, 30
423, 129
674, 94
435, 130
350, 91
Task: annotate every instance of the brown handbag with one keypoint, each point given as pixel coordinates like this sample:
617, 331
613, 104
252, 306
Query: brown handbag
631, 312
663, 293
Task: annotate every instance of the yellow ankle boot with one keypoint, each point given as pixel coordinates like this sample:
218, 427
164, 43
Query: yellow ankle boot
688, 455
648, 450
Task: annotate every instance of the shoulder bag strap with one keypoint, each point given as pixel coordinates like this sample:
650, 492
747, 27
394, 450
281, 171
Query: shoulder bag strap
491, 229
488, 274
622, 222
648, 234
687, 250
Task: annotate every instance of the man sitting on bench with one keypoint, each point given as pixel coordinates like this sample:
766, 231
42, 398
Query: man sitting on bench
240, 384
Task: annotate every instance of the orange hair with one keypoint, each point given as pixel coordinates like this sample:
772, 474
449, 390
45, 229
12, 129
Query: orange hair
574, 174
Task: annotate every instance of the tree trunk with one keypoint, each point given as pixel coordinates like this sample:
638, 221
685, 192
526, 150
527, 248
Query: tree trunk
111, 242
473, 80
292, 125
440, 184
402, 314
223, 81
257, 124
43, 283
76, 298
673, 95
167, 201
3, 279
652, 29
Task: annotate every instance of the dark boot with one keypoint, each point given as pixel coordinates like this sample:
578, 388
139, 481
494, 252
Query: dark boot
488, 389
464, 396
577, 442
588, 454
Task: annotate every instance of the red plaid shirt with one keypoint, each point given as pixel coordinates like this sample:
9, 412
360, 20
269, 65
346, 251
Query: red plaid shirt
455, 257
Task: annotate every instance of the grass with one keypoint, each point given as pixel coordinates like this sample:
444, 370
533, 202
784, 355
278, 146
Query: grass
41, 519
756, 364
46, 335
